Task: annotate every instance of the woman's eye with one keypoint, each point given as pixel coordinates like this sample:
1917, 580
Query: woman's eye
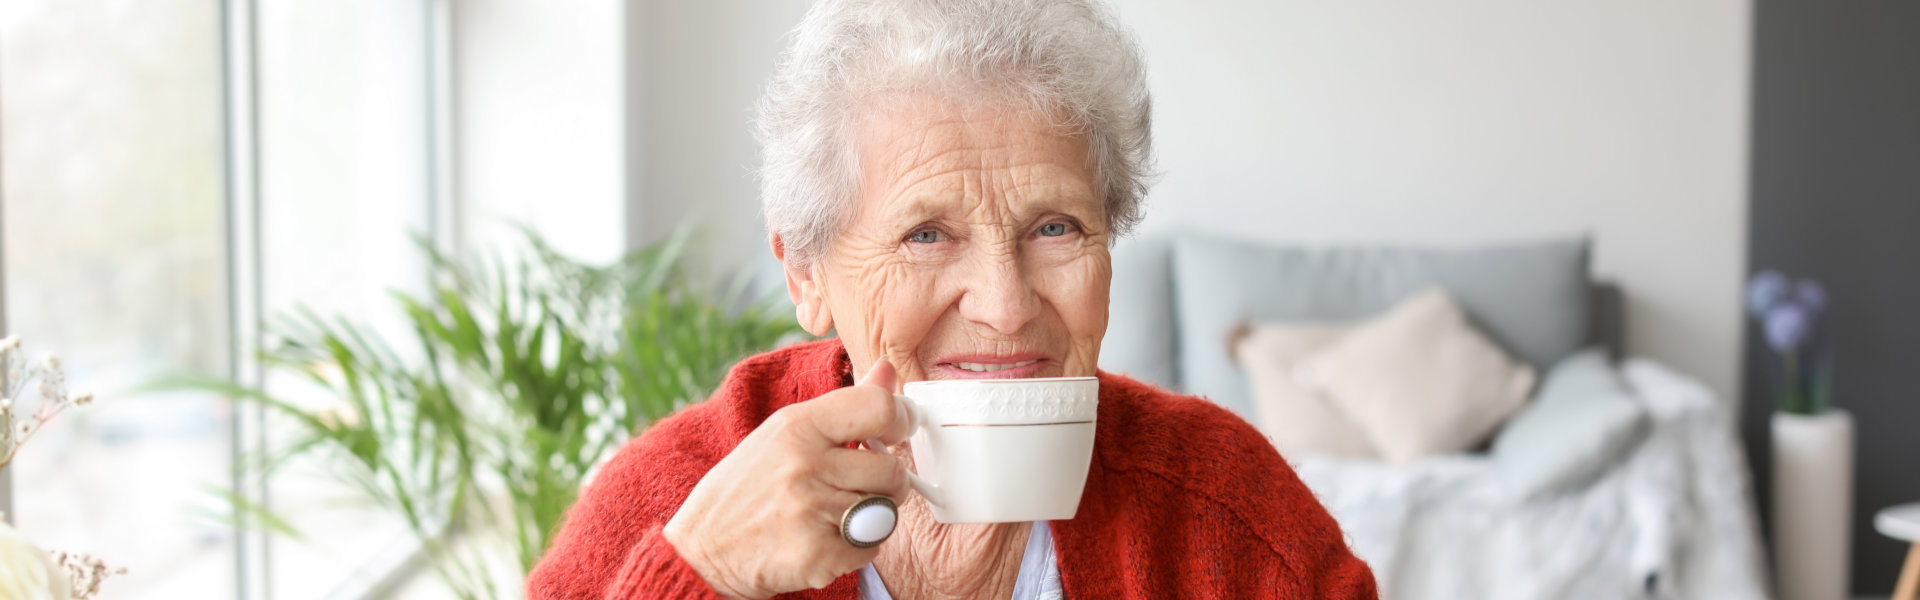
1055, 229
924, 236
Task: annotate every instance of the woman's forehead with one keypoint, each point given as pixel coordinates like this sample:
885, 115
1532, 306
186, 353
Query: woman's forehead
919, 128
931, 157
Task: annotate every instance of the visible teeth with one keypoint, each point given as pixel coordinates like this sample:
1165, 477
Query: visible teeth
980, 368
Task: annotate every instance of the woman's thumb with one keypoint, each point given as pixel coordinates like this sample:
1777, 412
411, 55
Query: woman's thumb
882, 375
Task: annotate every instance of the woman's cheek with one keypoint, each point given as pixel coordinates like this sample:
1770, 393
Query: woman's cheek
1082, 298
904, 304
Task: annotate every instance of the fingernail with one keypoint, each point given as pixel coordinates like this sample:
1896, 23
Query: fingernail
872, 371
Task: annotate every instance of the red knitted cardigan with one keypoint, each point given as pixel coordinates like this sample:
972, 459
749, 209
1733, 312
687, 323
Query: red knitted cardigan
1183, 500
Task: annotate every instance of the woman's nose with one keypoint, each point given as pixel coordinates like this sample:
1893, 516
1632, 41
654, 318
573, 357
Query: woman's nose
998, 294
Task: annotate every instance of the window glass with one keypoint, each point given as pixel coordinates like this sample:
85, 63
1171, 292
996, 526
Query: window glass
111, 187
344, 187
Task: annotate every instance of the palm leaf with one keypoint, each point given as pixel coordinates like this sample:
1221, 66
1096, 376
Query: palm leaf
531, 371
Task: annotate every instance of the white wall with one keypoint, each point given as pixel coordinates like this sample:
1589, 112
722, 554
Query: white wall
1457, 122
541, 110
1356, 120
700, 66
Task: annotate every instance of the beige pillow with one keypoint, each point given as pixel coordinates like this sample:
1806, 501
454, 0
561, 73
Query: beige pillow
1299, 420
1418, 380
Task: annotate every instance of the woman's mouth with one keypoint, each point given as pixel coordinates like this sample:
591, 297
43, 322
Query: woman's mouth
990, 367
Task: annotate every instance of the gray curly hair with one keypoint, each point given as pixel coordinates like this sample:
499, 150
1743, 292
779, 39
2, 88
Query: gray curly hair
1066, 57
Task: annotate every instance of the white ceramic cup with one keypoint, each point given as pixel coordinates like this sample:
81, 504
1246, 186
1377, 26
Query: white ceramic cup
1002, 450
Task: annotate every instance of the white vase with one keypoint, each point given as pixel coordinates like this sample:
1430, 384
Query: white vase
1812, 504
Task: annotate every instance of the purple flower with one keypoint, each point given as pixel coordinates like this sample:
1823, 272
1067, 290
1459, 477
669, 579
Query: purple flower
1787, 327
1766, 290
1811, 297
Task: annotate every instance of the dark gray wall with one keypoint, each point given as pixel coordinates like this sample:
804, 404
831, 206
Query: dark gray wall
1836, 196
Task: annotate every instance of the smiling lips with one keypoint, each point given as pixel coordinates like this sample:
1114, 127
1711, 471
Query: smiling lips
991, 367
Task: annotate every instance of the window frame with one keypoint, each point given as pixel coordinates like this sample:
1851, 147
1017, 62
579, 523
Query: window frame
389, 566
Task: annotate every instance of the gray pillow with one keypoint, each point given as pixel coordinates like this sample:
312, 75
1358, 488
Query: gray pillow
1139, 340
1531, 299
1582, 420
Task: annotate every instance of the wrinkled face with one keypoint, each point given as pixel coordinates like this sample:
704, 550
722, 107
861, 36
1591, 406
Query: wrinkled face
977, 249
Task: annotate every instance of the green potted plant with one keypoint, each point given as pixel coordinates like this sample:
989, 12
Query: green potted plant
518, 377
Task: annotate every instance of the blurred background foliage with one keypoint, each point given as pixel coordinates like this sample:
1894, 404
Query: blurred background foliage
519, 377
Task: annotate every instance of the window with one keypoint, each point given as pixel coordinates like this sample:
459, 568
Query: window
126, 250
174, 173
344, 185
112, 188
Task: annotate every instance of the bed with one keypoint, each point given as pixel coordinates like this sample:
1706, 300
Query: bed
1670, 517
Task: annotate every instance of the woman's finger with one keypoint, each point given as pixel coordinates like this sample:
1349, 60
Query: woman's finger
864, 471
853, 414
833, 505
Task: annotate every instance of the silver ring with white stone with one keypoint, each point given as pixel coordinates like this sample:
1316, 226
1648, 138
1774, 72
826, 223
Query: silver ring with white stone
869, 521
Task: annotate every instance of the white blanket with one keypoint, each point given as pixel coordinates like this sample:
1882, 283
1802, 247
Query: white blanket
1672, 519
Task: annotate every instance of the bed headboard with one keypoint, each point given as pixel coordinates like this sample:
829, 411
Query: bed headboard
1608, 326
1145, 335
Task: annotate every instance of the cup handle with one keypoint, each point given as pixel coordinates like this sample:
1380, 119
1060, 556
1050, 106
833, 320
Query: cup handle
920, 486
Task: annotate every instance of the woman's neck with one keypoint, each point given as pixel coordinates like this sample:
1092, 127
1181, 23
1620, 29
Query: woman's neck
927, 560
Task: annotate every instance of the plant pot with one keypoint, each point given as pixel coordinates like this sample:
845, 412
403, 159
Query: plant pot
1812, 504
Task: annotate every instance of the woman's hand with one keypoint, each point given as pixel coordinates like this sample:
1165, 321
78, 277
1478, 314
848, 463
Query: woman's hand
766, 519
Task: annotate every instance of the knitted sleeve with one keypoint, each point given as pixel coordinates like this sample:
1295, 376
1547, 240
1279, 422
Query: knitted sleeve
1191, 501
611, 545
1262, 493
654, 570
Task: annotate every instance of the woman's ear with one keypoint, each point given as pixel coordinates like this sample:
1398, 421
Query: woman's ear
803, 287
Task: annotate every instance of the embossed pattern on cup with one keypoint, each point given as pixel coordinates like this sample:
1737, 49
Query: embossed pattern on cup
1006, 402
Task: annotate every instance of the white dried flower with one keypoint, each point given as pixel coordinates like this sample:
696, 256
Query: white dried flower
10, 343
6, 404
53, 363
25, 427
85, 573
42, 389
83, 400
28, 573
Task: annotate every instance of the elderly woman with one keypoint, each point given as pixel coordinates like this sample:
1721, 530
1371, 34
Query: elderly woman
943, 180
